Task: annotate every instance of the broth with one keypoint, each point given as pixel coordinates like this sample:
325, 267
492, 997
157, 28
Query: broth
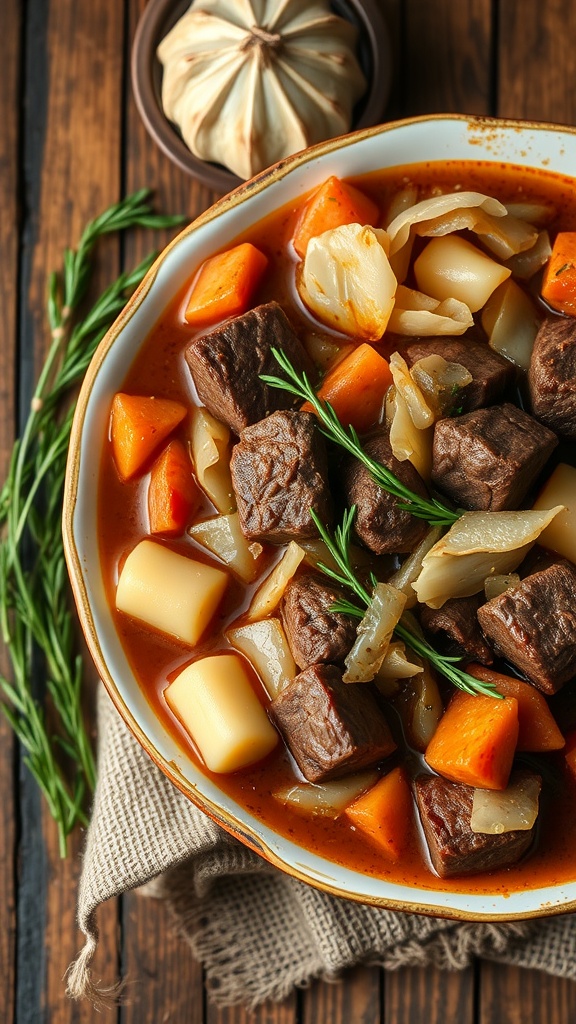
160, 369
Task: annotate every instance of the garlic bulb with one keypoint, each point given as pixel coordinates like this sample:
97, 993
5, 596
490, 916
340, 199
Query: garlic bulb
250, 81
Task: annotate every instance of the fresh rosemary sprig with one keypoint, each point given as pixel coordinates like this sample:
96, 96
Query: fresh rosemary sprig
36, 619
433, 511
339, 547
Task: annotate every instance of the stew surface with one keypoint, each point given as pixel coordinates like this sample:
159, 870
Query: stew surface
157, 658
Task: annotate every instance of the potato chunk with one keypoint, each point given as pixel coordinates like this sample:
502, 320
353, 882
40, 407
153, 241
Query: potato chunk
215, 701
560, 489
450, 268
171, 592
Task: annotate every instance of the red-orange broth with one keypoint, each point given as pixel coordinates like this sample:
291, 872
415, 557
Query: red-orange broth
160, 370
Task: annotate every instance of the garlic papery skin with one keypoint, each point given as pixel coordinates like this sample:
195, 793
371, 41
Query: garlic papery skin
248, 82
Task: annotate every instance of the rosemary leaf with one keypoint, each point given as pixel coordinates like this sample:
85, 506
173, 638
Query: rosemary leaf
433, 511
339, 547
36, 618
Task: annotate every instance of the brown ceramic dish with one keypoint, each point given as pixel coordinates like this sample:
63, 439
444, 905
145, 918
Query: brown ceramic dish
158, 18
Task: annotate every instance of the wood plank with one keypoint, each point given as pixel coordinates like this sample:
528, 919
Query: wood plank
268, 1013
536, 61
446, 62
9, 228
511, 995
357, 997
72, 164
413, 995
392, 11
163, 982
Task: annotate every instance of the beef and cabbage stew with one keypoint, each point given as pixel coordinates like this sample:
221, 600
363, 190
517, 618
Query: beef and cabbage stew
338, 523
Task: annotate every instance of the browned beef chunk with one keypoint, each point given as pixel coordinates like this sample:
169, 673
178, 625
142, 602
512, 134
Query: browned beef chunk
445, 811
534, 626
314, 632
552, 375
488, 459
332, 728
226, 364
279, 472
491, 373
458, 620
380, 524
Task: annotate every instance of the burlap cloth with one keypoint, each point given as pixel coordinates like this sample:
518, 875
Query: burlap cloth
256, 931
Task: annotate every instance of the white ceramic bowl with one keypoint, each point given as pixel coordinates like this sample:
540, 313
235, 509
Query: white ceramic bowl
412, 141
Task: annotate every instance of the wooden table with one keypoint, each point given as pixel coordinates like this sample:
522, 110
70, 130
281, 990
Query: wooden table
71, 143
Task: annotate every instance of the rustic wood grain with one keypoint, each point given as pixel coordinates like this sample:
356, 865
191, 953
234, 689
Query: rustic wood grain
72, 165
269, 1013
10, 64
357, 997
446, 64
536, 67
163, 981
511, 995
414, 995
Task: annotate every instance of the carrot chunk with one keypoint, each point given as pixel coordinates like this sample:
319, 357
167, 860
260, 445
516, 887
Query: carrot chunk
333, 204
537, 729
356, 388
225, 285
172, 495
559, 281
138, 427
475, 741
384, 813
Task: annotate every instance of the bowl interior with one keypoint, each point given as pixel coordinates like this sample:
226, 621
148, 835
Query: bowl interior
436, 138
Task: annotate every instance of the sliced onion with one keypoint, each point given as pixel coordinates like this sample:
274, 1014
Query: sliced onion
508, 810
265, 645
528, 263
400, 261
324, 350
406, 440
504, 236
425, 709
494, 531
438, 206
269, 593
373, 634
396, 664
496, 585
511, 322
210, 443
438, 380
536, 213
224, 538
478, 545
401, 201
327, 800
416, 314
347, 281
411, 567
420, 411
